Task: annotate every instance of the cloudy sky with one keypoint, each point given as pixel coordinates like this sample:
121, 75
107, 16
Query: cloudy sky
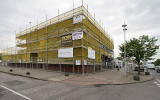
141, 16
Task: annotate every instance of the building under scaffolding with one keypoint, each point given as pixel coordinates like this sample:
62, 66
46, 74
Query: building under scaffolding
70, 42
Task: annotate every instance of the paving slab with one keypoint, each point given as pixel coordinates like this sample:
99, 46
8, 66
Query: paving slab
109, 76
38, 73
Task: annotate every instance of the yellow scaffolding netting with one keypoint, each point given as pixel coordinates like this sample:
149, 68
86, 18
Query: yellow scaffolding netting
43, 40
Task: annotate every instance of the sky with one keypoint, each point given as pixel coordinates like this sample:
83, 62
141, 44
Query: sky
141, 17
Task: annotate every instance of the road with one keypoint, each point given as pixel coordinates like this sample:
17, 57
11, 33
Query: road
21, 88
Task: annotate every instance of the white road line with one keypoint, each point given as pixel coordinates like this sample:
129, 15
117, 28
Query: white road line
16, 92
158, 84
155, 82
158, 80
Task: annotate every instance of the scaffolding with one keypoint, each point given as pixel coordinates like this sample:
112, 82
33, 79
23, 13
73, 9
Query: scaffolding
40, 44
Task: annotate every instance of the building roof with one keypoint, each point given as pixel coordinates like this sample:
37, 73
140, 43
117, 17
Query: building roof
65, 16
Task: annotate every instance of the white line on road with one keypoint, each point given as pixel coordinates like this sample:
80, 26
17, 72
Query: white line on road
16, 93
158, 84
158, 80
155, 82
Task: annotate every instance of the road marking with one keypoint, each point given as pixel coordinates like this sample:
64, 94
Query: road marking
158, 86
158, 80
23, 96
155, 82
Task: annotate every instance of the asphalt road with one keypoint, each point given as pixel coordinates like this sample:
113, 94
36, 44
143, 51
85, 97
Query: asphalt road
21, 88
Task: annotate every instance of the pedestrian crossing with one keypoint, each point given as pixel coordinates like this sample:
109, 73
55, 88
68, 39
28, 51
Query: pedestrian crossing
157, 82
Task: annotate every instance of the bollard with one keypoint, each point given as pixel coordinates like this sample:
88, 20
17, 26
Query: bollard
27, 73
66, 74
11, 70
136, 78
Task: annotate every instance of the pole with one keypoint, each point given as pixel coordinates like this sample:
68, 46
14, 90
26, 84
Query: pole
124, 50
82, 2
47, 42
59, 60
30, 43
124, 30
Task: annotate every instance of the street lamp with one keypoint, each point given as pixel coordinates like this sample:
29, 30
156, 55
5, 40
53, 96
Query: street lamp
124, 30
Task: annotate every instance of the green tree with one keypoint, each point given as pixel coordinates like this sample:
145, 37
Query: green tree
119, 58
0, 56
142, 49
157, 62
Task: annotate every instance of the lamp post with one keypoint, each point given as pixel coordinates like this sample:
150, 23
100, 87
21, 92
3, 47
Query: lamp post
124, 30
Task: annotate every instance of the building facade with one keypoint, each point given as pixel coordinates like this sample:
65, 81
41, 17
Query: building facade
70, 42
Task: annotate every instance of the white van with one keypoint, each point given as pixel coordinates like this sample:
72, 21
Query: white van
149, 65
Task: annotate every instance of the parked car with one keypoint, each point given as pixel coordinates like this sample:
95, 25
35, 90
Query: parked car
137, 68
151, 66
158, 69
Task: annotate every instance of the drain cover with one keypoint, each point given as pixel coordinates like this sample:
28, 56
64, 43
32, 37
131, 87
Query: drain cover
14, 82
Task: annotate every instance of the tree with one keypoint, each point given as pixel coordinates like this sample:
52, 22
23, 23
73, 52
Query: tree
0, 56
119, 58
142, 49
157, 62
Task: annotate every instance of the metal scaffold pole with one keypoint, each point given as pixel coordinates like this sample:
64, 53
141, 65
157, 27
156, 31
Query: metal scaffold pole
87, 33
47, 43
37, 48
30, 43
73, 31
59, 60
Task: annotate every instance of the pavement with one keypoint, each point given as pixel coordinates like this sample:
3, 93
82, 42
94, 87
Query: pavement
21, 88
109, 76
46, 75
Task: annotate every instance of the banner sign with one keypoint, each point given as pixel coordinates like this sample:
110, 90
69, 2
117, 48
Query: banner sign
67, 37
77, 35
78, 62
91, 54
77, 19
65, 53
67, 40
85, 62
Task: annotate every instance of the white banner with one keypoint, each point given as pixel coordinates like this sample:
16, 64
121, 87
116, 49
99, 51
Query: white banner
91, 54
85, 62
77, 35
65, 53
78, 62
77, 19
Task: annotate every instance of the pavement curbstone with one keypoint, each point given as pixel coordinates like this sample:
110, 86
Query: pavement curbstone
127, 83
24, 76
